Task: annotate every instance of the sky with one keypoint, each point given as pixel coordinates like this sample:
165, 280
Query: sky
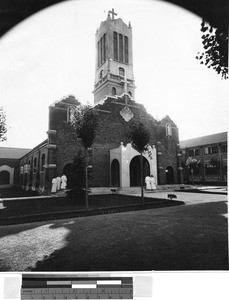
51, 55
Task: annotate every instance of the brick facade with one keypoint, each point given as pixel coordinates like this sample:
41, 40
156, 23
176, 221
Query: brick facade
111, 132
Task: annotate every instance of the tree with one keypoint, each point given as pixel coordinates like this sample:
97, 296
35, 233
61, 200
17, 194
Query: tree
3, 128
192, 163
85, 121
76, 177
139, 137
215, 43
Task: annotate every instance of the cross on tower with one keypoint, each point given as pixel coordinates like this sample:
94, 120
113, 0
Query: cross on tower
113, 13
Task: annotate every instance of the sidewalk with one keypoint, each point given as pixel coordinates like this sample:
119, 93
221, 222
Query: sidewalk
187, 198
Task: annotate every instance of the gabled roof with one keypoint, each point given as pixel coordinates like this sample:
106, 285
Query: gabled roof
204, 140
12, 153
166, 120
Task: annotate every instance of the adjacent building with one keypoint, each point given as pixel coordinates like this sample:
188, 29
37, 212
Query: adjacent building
210, 151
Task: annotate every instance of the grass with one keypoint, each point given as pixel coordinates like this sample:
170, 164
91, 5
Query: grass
40, 206
16, 192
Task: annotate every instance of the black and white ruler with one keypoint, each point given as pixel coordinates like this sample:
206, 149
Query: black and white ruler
49, 286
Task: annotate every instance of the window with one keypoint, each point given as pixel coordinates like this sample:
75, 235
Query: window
35, 164
120, 47
113, 91
98, 54
191, 152
101, 74
101, 51
121, 72
42, 162
168, 128
104, 47
126, 50
224, 148
214, 150
211, 150
130, 93
196, 170
115, 41
196, 152
210, 169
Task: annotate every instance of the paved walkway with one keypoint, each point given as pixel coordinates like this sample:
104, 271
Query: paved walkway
188, 198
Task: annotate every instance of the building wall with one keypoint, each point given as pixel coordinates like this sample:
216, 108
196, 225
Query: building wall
32, 168
207, 173
113, 130
12, 167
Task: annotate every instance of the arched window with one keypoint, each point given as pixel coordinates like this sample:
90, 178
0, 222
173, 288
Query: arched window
121, 72
168, 130
130, 93
120, 47
42, 162
35, 164
101, 74
126, 50
113, 91
115, 42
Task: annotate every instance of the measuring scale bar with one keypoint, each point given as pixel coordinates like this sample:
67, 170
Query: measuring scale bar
77, 288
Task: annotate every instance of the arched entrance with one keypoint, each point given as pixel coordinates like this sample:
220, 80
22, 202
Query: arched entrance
169, 175
135, 170
4, 177
115, 173
68, 171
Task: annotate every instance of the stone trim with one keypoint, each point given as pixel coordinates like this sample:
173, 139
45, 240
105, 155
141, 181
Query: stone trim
50, 166
51, 131
51, 146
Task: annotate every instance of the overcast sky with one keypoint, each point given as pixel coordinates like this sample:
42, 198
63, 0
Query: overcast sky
52, 54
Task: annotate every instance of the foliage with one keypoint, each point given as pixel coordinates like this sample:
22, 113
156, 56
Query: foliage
85, 122
139, 137
3, 128
192, 162
76, 177
215, 43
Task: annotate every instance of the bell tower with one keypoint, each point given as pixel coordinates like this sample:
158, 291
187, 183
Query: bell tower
114, 59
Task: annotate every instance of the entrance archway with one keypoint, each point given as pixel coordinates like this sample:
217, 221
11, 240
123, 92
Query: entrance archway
135, 170
115, 173
169, 175
68, 171
4, 177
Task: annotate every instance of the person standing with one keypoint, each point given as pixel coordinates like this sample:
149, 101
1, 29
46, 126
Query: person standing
54, 185
58, 182
63, 185
147, 182
152, 183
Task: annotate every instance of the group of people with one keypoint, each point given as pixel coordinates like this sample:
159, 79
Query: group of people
150, 183
59, 183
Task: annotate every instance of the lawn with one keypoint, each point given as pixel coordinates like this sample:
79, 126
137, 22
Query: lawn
64, 205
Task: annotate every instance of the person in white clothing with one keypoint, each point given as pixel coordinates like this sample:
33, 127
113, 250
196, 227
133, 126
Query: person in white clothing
58, 182
63, 182
147, 182
54, 185
152, 183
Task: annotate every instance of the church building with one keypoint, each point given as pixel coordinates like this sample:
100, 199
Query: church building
114, 162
